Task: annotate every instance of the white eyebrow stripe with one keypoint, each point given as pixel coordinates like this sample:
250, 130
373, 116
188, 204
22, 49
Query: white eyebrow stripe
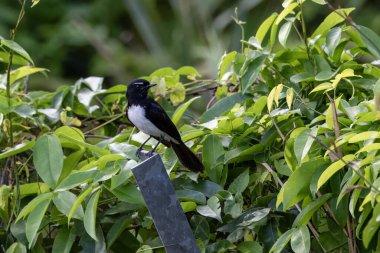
139, 83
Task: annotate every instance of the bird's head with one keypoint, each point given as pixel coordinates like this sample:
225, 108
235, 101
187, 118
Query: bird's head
138, 88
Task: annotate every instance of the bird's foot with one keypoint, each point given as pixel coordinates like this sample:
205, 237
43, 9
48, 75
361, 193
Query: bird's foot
138, 152
143, 154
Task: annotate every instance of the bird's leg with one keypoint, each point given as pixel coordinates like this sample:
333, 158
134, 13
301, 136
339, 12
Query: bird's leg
154, 149
141, 147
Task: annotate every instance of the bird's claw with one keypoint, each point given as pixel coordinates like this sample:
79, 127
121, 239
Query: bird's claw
138, 152
143, 154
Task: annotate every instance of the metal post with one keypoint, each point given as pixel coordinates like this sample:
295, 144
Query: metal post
164, 207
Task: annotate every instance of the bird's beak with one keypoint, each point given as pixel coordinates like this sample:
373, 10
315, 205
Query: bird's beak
151, 85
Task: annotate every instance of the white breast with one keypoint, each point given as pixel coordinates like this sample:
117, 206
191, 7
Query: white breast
136, 115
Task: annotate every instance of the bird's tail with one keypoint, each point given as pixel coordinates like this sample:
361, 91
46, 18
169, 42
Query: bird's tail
187, 157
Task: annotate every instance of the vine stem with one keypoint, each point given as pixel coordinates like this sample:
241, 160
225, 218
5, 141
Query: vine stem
10, 63
12, 163
309, 224
105, 123
303, 24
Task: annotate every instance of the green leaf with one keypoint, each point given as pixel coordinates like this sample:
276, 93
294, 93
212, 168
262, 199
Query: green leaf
251, 72
24, 110
369, 147
220, 246
371, 40
16, 59
90, 147
345, 73
89, 221
226, 60
363, 136
332, 20
323, 87
31, 189
5, 192
241, 154
145, 249
372, 226
34, 220
301, 77
34, 3
285, 12
76, 178
321, 2
73, 132
10, 44
289, 97
124, 174
163, 72
322, 63
212, 150
368, 209
274, 96
234, 206
282, 241
297, 186
283, 34
190, 195
250, 247
303, 142
16, 247
240, 183
70, 162
48, 159
332, 169
128, 193
119, 88
33, 204
264, 27
253, 216
177, 115
78, 204
188, 206
24, 71
259, 105
64, 201
212, 209
300, 241
332, 40
223, 105
117, 229
177, 94
189, 71
200, 227
19, 148
306, 213
64, 240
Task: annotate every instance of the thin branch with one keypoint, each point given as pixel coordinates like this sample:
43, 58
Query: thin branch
309, 224
90, 136
105, 123
336, 125
303, 25
278, 130
350, 165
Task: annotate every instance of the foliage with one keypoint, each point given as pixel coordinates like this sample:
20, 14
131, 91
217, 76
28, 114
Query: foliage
289, 146
135, 37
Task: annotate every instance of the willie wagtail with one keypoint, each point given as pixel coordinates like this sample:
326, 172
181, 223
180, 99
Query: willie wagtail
149, 117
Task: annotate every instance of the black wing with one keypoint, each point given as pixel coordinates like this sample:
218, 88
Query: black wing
161, 120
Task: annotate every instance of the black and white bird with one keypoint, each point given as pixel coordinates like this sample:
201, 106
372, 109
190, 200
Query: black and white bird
150, 118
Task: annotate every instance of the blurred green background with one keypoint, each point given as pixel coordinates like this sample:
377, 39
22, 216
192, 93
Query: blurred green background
125, 39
